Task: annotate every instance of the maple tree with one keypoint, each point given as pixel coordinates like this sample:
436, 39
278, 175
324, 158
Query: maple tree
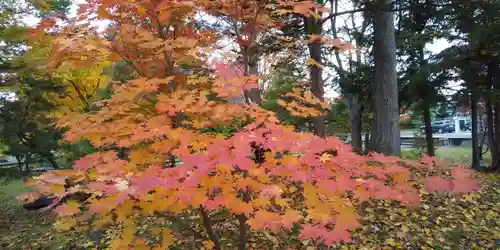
265, 175
77, 77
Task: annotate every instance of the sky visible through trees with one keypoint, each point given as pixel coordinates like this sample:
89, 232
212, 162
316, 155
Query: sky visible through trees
435, 47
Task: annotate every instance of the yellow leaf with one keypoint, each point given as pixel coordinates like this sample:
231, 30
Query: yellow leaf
103, 221
94, 138
140, 156
312, 62
141, 10
469, 197
199, 199
58, 190
124, 210
391, 242
260, 202
401, 177
43, 5
65, 224
128, 234
281, 102
208, 244
167, 239
156, 230
282, 202
325, 157
71, 207
140, 244
92, 175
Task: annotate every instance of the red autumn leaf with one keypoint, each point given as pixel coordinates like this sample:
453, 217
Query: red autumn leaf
251, 84
461, 172
266, 220
383, 159
427, 161
53, 177
289, 218
463, 186
437, 184
226, 70
309, 231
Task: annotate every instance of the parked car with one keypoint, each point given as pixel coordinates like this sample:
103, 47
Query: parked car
465, 125
441, 127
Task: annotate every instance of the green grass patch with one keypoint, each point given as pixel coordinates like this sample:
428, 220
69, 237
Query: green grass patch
453, 155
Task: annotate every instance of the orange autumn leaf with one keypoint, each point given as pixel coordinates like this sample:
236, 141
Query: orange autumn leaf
208, 244
313, 62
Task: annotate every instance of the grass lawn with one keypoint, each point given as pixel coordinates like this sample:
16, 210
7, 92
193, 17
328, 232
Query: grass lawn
454, 155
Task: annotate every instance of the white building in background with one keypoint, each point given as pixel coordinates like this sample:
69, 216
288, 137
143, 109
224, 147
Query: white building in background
8, 160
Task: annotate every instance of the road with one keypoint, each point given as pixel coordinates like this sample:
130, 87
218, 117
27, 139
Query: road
462, 135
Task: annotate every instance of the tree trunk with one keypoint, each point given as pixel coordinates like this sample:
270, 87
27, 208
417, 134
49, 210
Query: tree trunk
27, 159
491, 132
367, 141
313, 27
19, 163
473, 105
428, 129
496, 122
484, 134
356, 133
495, 165
492, 114
123, 153
355, 115
51, 159
254, 94
386, 134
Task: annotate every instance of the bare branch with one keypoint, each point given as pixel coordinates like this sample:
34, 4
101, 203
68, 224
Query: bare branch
336, 13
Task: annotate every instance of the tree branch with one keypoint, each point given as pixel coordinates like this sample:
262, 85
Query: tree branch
80, 95
333, 21
207, 223
243, 228
243, 237
335, 14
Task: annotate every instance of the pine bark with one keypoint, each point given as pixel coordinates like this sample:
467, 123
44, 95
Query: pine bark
495, 121
491, 132
428, 130
386, 133
474, 113
355, 118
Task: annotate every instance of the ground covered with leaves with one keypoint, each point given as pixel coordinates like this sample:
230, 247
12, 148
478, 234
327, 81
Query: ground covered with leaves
442, 222
21, 229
